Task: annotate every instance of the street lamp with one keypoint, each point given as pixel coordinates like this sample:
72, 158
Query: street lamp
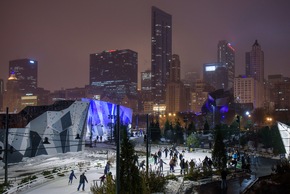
185, 119
213, 115
112, 117
239, 128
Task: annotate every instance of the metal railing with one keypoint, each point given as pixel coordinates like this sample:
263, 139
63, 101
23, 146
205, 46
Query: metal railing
40, 180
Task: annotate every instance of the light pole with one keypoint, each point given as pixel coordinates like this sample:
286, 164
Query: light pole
147, 145
185, 119
239, 128
213, 116
6, 148
118, 152
112, 117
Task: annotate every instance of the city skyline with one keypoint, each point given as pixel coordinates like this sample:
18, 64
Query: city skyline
62, 35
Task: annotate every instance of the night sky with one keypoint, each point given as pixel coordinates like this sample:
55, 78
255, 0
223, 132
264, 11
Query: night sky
60, 34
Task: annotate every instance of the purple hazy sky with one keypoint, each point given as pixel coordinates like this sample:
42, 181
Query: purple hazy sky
60, 34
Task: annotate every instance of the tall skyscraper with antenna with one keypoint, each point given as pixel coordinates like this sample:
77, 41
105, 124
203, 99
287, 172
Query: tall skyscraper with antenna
226, 56
255, 63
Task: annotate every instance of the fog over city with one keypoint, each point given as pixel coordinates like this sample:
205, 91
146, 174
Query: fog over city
61, 35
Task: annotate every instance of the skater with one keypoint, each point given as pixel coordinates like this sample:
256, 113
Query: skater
172, 164
161, 162
166, 152
71, 177
107, 168
159, 153
136, 162
142, 164
155, 156
171, 153
83, 179
182, 166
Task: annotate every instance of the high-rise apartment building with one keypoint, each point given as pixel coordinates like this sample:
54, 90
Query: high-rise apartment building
174, 69
176, 99
12, 95
279, 92
248, 90
25, 71
255, 63
145, 93
226, 56
116, 72
199, 95
146, 81
161, 51
190, 79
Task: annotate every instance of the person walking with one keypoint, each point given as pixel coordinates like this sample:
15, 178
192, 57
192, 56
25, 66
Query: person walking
71, 177
83, 179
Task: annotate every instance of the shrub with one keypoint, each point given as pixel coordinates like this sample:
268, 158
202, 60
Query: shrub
47, 174
27, 179
171, 177
156, 182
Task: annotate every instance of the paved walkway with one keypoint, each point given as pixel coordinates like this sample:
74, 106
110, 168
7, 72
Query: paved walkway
239, 184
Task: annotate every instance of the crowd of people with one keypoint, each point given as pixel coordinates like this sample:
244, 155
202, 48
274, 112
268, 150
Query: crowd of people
176, 158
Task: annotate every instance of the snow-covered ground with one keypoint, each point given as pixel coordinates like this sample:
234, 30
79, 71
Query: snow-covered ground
91, 161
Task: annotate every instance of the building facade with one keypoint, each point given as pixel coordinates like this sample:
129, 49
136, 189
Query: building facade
26, 72
255, 63
175, 90
216, 75
161, 51
115, 72
248, 90
280, 92
146, 81
226, 56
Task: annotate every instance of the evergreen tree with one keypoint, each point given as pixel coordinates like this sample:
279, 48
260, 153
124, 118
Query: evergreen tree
206, 127
219, 152
167, 129
178, 133
155, 131
192, 141
130, 179
191, 128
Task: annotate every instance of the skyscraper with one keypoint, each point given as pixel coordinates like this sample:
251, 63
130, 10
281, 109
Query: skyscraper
226, 56
174, 69
1, 94
115, 71
146, 81
215, 75
176, 100
255, 63
25, 71
161, 50
248, 90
